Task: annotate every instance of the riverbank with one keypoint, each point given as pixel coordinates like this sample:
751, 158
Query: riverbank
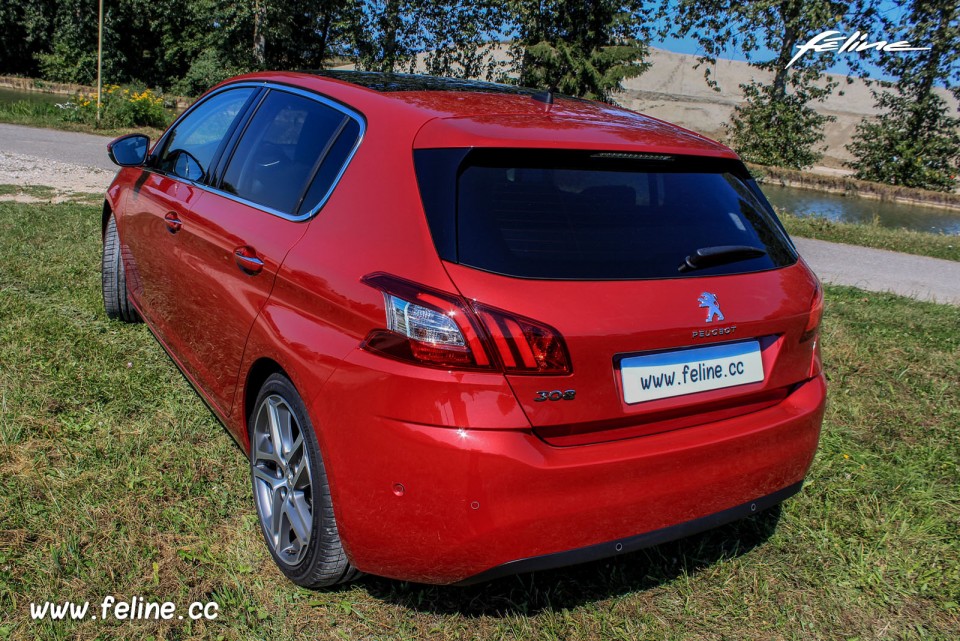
846, 186
35, 85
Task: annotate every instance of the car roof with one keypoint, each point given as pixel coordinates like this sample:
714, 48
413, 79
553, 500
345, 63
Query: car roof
448, 112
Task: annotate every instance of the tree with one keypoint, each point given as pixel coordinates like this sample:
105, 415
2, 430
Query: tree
915, 141
777, 124
585, 49
26, 26
440, 38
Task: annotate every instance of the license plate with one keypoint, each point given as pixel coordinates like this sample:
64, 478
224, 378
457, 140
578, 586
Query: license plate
665, 374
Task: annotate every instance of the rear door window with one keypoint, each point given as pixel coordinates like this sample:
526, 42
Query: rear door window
594, 216
284, 146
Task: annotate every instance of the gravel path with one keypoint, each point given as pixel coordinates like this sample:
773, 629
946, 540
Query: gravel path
74, 162
879, 270
85, 150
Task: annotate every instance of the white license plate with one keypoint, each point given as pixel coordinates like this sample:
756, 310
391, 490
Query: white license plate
665, 374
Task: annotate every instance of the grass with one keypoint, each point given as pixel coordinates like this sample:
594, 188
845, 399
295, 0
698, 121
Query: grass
39, 114
115, 479
902, 240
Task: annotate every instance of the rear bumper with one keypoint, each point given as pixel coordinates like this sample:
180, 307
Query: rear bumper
447, 505
634, 543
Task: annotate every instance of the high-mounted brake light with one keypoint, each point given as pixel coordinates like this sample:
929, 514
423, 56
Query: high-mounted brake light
434, 328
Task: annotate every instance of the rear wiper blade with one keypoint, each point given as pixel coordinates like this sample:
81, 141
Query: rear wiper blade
719, 255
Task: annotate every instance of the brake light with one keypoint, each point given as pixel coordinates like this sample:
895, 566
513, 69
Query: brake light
524, 345
431, 327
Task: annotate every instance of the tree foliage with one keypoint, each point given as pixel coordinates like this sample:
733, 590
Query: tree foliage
441, 38
915, 141
777, 124
584, 49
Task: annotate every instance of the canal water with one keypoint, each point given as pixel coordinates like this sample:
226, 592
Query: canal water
15, 95
850, 209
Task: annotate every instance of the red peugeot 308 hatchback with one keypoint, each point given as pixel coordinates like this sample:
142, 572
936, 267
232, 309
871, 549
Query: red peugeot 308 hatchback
465, 329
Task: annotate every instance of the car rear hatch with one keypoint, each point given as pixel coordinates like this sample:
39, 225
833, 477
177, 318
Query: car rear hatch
672, 288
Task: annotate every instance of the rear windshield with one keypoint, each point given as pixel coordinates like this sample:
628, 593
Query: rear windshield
595, 216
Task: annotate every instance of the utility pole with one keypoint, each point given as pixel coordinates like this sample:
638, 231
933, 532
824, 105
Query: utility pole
99, 60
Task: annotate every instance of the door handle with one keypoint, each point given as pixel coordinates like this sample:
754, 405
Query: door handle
174, 224
247, 260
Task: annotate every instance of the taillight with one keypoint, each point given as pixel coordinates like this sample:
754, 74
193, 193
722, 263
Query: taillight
426, 326
431, 327
816, 315
812, 331
524, 345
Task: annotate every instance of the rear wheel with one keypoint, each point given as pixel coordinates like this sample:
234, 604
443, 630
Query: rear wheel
291, 490
116, 300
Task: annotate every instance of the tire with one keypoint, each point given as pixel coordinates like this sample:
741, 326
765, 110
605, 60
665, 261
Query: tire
291, 491
116, 299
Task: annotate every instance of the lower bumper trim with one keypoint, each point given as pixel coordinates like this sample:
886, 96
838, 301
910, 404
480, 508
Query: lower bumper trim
633, 543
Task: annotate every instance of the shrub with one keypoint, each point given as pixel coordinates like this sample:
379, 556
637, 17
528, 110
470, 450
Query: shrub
122, 107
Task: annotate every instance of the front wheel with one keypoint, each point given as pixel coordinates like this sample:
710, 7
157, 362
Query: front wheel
116, 299
291, 490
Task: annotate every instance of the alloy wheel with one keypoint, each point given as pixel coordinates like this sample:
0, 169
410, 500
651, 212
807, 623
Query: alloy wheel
282, 480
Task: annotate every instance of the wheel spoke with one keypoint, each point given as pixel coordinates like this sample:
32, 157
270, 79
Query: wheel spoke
263, 449
273, 420
298, 514
276, 517
267, 477
301, 477
296, 450
285, 429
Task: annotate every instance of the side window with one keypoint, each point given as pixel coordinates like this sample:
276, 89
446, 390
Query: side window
281, 150
193, 144
332, 165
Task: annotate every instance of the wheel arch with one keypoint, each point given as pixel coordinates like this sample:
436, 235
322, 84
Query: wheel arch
261, 369
105, 217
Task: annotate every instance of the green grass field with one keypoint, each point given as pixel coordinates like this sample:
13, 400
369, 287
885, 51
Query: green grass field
901, 240
115, 479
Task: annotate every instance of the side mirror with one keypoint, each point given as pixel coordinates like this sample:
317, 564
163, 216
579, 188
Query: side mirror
129, 150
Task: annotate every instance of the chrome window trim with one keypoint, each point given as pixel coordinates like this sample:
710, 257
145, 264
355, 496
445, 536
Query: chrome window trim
274, 86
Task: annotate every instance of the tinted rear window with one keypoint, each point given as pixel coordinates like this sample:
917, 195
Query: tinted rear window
576, 215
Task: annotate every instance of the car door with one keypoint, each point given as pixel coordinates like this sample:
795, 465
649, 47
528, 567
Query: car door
234, 238
170, 186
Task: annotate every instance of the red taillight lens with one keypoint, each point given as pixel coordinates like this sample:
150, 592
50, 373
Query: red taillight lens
523, 345
812, 331
431, 327
816, 315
